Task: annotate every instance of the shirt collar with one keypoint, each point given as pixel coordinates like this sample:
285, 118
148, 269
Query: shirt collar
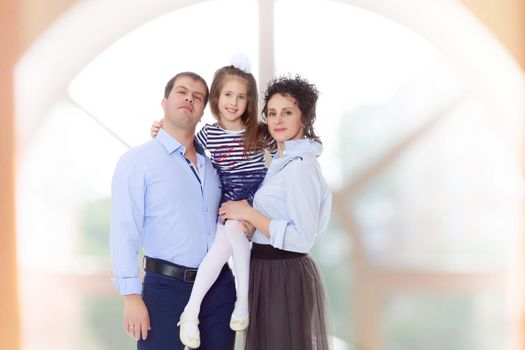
171, 144
295, 148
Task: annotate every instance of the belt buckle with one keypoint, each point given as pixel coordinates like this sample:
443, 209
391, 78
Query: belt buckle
189, 275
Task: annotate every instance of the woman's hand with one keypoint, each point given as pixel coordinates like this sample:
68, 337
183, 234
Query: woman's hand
242, 211
236, 210
248, 229
156, 126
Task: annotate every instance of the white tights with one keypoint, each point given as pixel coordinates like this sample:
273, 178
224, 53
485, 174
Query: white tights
229, 241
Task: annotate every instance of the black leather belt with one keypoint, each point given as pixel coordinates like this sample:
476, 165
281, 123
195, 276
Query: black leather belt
162, 267
158, 266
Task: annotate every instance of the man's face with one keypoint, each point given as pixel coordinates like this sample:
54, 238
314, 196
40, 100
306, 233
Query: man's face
184, 106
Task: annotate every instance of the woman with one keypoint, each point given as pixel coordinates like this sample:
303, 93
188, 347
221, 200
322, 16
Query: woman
289, 210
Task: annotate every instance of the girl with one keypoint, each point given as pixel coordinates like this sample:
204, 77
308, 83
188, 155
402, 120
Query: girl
234, 142
290, 209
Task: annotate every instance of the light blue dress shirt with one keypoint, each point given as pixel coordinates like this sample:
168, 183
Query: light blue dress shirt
295, 196
160, 204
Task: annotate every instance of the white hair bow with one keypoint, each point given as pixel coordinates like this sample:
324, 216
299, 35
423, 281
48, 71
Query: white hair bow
242, 62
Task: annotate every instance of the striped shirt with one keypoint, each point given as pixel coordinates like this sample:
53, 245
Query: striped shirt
240, 174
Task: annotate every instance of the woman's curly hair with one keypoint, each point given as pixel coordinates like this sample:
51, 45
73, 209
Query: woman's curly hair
305, 95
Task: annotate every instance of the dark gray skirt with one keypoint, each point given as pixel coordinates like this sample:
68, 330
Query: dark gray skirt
287, 303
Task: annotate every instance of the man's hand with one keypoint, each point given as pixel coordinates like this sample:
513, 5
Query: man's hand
136, 317
248, 229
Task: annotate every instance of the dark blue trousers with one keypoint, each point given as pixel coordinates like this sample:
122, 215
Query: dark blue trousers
166, 297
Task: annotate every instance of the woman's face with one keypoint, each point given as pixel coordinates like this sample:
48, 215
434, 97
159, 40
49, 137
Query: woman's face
284, 119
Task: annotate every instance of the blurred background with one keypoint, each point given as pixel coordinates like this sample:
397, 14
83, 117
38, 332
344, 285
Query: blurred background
421, 115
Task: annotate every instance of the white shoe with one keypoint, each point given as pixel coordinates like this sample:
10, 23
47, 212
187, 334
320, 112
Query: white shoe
239, 323
192, 341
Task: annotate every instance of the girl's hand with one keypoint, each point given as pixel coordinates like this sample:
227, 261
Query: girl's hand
156, 126
236, 210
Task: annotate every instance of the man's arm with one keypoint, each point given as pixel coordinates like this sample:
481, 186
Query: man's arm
127, 216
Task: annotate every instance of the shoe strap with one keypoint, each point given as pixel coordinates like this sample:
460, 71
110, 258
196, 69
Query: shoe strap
184, 319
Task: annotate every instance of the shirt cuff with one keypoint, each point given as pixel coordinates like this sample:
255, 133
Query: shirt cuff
128, 285
277, 230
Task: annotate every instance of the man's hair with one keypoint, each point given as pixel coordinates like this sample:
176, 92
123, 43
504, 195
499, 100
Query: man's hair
194, 76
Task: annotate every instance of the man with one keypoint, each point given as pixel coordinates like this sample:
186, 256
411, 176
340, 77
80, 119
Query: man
165, 197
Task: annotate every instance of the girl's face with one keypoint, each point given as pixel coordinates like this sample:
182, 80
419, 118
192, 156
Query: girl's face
284, 119
232, 103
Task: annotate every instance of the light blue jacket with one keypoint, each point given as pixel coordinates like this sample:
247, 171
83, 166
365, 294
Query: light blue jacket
295, 196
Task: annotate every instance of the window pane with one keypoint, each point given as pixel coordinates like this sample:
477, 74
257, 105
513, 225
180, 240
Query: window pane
124, 85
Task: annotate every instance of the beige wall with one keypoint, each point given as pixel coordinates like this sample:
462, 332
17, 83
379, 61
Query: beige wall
9, 52
37, 15
506, 19
21, 22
